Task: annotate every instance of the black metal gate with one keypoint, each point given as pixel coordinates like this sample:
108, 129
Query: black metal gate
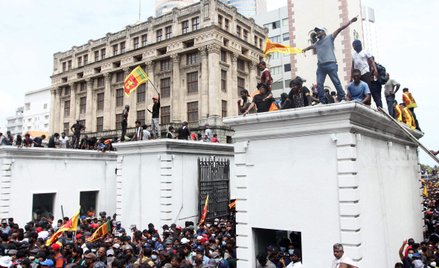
213, 180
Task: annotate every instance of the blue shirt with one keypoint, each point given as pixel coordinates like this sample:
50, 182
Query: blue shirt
358, 92
325, 49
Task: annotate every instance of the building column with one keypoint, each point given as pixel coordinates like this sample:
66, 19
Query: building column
252, 77
203, 94
234, 84
176, 96
90, 115
108, 114
53, 111
61, 112
150, 91
214, 80
73, 104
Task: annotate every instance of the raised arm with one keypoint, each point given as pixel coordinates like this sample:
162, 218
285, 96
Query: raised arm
308, 48
336, 32
252, 105
401, 249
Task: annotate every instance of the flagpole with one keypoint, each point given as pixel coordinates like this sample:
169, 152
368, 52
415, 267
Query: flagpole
153, 86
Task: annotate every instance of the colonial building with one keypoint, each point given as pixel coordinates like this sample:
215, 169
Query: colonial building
199, 57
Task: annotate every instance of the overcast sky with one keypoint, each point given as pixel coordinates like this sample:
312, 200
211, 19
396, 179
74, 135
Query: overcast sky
32, 31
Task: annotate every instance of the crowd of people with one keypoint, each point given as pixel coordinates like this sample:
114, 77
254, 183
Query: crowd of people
212, 244
367, 80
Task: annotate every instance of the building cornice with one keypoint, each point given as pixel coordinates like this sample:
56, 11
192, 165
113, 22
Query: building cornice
55, 153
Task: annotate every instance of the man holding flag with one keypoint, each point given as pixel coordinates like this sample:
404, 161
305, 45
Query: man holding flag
71, 225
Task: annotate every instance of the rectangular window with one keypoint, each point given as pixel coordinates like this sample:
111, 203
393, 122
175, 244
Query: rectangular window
120, 76
136, 42
85, 59
220, 21
285, 36
100, 123
165, 112
241, 65
82, 87
87, 200
67, 108
245, 35
115, 49
195, 23
275, 25
45, 107
224, 108
42, 205
192, 111
241, 85
103, 51
165, 87
119, 97
191, 58
82, 105
168, 32
226, 24
64, 66
141, 117
165, 65
66, 128
223, 55
287, 67
224, 80
268, 26
185, 26
144, 39
69, 65
275, 70
79, 61
122, 47
119, 121
192, 82
256, 41
100, 101
285, 22
159, 34
238, 30
96, 55
275, 38
100, 82
141, 93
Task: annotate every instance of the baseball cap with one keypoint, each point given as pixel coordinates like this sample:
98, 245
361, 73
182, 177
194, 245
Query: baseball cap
317, 29
47, 262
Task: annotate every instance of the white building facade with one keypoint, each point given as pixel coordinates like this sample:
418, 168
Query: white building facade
249, 8
36, 116
14, 123
165, 6
370, 40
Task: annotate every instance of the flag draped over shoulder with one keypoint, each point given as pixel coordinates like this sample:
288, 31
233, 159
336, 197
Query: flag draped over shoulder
271, 47
71, 225
134, 79
100, 232
204, 214
425, 192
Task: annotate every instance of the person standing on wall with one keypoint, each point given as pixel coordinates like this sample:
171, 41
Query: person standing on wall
155, 128
124, 122
410, 103
326, 61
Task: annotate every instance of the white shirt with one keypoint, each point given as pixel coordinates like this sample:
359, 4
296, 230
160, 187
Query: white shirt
360, 61
63, 142
146, 135
343, 259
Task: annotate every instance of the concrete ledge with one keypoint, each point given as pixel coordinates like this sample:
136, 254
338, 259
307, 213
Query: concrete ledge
53, 153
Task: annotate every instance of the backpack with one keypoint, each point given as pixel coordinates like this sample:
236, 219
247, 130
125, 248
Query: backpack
382, 73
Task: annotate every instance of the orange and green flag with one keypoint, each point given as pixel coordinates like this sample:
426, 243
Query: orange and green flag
425, 192
100, 232
71, 225
204, 214
134, 79
271, 47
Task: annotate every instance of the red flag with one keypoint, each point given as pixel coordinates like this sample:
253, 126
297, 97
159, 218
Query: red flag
70, 225
100, 232
204, 214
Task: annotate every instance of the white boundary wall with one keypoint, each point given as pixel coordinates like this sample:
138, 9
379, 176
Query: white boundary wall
157, 181
340, 173
65, 172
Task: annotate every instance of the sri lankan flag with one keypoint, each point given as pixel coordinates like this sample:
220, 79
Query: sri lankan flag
232, 204
425, 191
204, 214
271, 47
71, 225
134, 79
100, 232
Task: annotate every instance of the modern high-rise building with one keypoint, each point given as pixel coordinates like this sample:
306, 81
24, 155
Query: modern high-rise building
198, 57
370, 40
15, 122
249, 8
36, 112
166, 6
276, 21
